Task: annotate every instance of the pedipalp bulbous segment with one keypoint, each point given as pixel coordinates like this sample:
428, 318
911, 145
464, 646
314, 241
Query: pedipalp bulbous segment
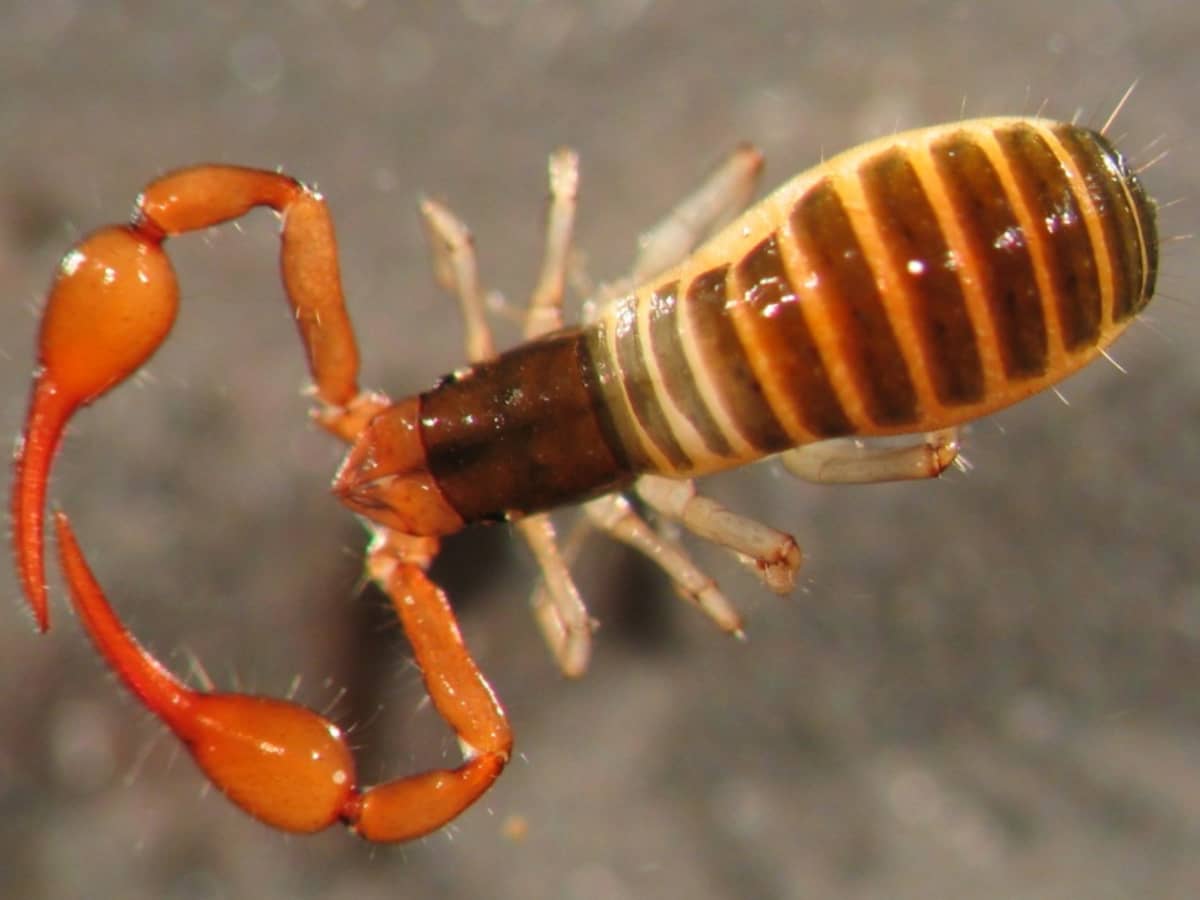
278, 761
112, 303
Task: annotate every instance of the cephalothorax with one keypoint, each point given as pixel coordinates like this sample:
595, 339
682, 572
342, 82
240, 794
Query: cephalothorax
904, 287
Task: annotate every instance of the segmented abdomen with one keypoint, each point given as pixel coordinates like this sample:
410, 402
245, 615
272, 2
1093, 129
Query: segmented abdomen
907, 285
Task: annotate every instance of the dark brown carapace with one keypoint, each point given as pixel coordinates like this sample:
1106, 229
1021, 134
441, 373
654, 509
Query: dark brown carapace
902, 288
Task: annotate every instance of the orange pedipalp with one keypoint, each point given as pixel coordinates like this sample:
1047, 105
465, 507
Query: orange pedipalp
112, 303
114, 299
280, 762
288, 766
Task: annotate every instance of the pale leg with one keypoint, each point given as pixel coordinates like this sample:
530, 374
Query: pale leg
773, 555
847, 461
456, 271
614, 515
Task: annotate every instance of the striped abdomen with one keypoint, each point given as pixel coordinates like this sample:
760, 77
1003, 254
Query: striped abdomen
907, 285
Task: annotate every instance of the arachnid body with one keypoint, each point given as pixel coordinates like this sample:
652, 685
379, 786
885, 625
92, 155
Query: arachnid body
904, 287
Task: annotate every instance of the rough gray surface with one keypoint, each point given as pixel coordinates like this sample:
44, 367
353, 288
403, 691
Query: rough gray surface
986, 686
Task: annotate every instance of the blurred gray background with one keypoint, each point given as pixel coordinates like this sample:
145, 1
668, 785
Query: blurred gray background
985, 687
